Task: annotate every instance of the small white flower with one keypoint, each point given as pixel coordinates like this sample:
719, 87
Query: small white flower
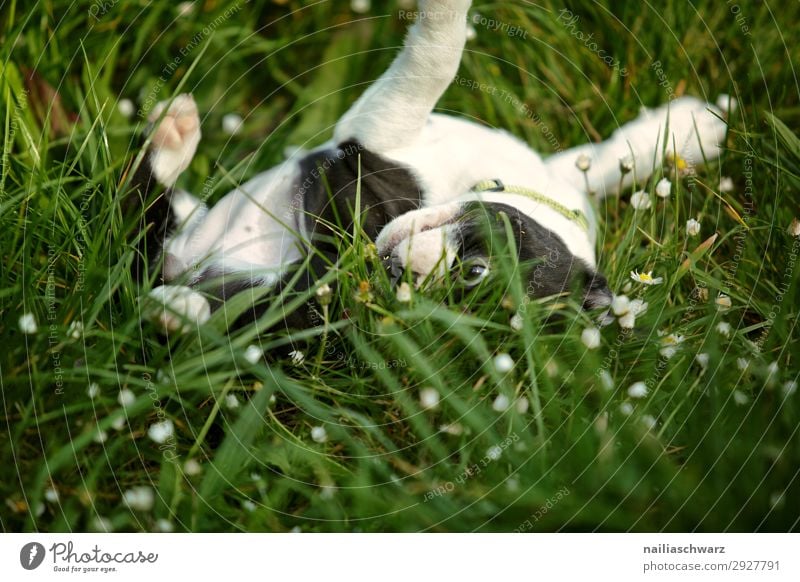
522, 405
638, 390
794, 228
591, 338
583, 163
646, 278
324, 293
494, 452
93, 391
641, 200
742, 363
192, 468
503, 363
516, 322
360, 6
454, 429
692, 227
606, 381
626, 408
319, 434
673, 339
472, 34
118, 423
125, 107
626, 165
726, 184
185, 8
702, 360
75, 329
740, 397
100, 437
248, 506
101, 524
297, 357
663, 188
620, 305
163, 526
404, 292
327, 492
773, 369
501, 403
789, 388
231, 401
126, 398
51, 494
139, 498
638, 307
649, 421
727, 104
605, 319
723, 302
161, 432
232, 123
27, 323
628, 321
253, 354
724, 328
429, 398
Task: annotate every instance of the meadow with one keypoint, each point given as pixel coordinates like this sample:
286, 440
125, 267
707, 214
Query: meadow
430, 412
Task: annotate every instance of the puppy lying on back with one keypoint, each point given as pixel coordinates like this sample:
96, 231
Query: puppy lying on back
431, 188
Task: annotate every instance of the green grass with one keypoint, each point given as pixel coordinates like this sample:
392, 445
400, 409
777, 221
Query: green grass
724, 453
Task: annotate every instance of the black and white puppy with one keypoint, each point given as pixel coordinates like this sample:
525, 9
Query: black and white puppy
430, 184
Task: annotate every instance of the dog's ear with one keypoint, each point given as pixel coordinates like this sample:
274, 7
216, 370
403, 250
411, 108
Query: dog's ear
596, 291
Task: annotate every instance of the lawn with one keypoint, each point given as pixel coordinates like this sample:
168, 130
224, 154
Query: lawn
484, 413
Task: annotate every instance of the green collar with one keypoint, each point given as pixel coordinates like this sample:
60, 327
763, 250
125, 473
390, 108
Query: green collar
496, 185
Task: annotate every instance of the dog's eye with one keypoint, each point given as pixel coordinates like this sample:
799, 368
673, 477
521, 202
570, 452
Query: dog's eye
474, 271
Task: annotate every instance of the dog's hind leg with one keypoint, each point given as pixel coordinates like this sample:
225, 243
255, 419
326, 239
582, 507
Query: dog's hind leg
393, 111
695, 133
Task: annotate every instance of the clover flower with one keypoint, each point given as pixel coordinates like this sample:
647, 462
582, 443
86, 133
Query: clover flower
503, 363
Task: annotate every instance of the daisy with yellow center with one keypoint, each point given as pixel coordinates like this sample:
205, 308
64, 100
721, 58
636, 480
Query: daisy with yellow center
646, 278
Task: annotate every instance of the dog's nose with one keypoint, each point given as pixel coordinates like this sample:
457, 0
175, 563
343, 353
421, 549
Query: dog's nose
395, 268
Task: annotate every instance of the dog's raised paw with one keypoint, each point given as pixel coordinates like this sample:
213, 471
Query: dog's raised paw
174, 308
175, 139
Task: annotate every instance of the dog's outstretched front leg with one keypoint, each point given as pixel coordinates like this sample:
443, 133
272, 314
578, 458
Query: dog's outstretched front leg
393, 111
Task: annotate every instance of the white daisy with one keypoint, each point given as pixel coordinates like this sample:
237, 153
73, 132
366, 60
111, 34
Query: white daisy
319, 434
638, 390
646, 278
161, 432
429, 398
503, 363
591, 338
663, 188
139, 498
692, 227
641, 200
27, 323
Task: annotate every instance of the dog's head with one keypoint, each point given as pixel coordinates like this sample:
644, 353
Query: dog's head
462, 242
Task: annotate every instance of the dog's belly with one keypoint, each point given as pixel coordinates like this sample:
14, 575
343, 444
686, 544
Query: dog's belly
253, 229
